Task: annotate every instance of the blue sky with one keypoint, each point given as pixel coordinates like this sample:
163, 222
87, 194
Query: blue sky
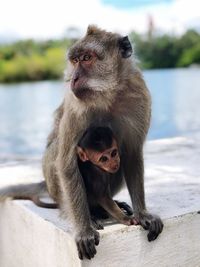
125, 4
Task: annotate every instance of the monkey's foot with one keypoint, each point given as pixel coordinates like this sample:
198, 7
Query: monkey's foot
152, 223
97, 224
125, 207
86, 242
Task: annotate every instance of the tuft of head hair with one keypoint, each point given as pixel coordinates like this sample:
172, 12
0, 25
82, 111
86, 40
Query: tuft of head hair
97, 138
92, 29
100, 34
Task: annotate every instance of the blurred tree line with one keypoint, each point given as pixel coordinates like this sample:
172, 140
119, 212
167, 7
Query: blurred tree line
167, 51
31, 61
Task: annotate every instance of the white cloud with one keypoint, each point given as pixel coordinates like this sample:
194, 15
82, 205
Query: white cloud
44, 18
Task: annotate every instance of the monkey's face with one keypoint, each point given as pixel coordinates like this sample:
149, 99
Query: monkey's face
82, 63
94, 62
107, 160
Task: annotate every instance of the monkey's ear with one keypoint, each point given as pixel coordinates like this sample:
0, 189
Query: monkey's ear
81, 154
125, 47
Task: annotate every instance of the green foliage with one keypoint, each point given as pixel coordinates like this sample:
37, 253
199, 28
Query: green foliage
167, 51
32, 61
190, 56
29, 60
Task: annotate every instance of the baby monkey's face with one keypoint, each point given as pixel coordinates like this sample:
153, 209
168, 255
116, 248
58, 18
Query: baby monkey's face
108, 160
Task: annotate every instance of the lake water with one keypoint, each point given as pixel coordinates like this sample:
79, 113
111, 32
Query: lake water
26, 110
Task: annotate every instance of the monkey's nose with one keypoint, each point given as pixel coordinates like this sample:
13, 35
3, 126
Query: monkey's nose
115, 167
75, 78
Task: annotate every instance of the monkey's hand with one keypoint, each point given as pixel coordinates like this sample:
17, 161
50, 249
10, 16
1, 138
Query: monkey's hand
152, 223
129, 220
86, 242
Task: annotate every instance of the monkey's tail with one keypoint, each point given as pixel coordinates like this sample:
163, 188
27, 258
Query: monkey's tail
28, 191
23, 191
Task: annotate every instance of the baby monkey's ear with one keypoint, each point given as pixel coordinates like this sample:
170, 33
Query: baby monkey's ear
81, 154
125, 47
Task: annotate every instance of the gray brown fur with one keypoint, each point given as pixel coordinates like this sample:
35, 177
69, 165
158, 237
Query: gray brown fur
118, 97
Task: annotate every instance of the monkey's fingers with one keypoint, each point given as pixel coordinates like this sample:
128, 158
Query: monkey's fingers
155, 229
79, 251
96, 238
145, 224
153, 224
90, 248
86, 249
125, 207
134, 221
86, 245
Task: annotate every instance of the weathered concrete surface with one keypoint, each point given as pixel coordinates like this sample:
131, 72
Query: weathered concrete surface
34, 237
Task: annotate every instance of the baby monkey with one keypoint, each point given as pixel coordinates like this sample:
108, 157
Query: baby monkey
99, 161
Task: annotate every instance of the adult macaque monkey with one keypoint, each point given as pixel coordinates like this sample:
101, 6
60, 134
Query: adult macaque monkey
105, 86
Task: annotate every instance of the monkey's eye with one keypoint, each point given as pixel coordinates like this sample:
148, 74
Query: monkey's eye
75, 60
87, 57
114, 153
103, 159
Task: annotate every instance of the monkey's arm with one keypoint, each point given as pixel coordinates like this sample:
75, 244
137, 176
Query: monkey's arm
134, 176
57, 117
73, 195
113, 209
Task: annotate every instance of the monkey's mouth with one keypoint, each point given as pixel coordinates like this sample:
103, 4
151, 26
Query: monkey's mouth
82, 92
114, 169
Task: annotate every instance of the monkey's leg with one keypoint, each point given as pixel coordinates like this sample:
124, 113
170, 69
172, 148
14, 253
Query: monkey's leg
134, 176
112, 208
86, 235
125, 207
74, 194
97, 224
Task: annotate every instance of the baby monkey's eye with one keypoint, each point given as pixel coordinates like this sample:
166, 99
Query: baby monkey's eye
114, 153
75, 60
87, 57
103, 159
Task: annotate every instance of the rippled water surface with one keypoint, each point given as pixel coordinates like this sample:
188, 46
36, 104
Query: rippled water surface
26, 110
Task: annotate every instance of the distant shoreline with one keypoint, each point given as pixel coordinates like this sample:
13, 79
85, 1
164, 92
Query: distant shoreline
30, 60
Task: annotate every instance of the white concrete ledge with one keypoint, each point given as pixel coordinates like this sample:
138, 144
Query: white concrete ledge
27, 240
35, 237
